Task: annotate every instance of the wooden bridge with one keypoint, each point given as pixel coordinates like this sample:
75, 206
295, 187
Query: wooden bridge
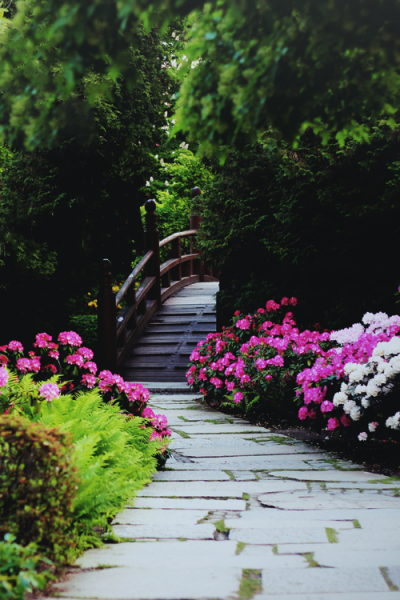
161, 321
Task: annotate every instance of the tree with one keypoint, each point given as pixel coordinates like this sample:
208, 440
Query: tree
66, 207
289, 65
319, 223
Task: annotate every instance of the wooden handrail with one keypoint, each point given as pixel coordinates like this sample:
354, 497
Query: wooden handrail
117, 335
131, 278
175, 236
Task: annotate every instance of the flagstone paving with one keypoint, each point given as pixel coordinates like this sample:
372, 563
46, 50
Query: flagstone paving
241, 513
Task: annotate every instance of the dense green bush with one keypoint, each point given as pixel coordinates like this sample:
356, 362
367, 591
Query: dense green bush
19, 567
113, 457
318, 223
37, 486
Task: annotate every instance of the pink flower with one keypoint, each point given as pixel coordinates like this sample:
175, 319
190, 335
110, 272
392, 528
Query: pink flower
3, 376
51, 368
230, 386
363, 436
3, 359
25, 364
217, 382
268, 377
148, 413
271, 305
285, 301
70, 337
75, 359
49, 391
238, 397
327, 406
303, 413
245, 379
345, 420
88, 380
15, 346
90, 366
195, 355
293, 301
41, 340
86, 353
333, 424
243, 324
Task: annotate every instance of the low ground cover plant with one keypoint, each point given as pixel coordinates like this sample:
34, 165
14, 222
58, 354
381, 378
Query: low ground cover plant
22, 569
344, 381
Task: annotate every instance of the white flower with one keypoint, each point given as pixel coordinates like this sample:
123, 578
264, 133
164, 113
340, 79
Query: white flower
395, 364
177, 38
339, 398
173, 34
365, 402
360, 389
379, 379
156, 156
344, 387
373, 389
348, 406
362, 436
147, 183
380, 349
350, 367
173, 63
393, 422
372, 426
166, 183
393, 346
355, 413
173, 121
376, 359
357, 375
162, 162
152, 179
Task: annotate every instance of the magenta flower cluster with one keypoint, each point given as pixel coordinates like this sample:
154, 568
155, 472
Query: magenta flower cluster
257, 356
73, 362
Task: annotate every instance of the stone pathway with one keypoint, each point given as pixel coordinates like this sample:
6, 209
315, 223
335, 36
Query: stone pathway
241, 513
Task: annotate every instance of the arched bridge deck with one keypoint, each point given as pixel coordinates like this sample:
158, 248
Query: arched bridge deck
163, 349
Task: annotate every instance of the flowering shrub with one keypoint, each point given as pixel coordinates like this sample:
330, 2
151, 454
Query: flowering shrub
356, 383
54, 369
255, 360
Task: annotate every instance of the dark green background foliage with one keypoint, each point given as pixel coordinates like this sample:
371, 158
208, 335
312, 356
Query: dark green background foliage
64, 209
321, 224
38, 484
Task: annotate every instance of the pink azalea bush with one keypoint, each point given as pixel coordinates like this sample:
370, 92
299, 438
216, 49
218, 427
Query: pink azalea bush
355, 385
67, 367
253, 363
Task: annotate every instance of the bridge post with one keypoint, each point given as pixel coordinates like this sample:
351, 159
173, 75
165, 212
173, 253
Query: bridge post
151, 242
107, 319
195, 220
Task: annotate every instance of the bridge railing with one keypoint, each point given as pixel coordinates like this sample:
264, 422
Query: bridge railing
118, 334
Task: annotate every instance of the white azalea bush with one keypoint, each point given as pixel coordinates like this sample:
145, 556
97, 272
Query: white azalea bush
372, 394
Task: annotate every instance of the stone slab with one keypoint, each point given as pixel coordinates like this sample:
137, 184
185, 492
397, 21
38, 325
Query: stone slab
338, 556
218, 441
254, 450
259, 520
228, 428
354, 476
137, 516
280, 535
329, 596
204, 531
232, 464
192, 476
244, 476
228, 489
190, 503
318, 581
361, 486
328, 500
168, 584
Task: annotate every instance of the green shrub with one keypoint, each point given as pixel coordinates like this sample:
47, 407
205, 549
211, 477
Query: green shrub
37, 486
19, 569
113, 456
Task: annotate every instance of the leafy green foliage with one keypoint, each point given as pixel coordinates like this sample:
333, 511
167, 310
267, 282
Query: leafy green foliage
182, 172
263, 63
63, 210
37, 486
18, 569
112, 455
320, 224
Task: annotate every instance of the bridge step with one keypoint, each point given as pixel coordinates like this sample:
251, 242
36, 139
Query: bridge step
162, 352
